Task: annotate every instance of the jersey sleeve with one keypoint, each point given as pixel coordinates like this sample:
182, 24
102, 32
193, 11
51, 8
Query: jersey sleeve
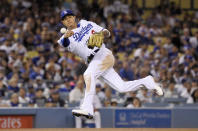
64, 42
96, 27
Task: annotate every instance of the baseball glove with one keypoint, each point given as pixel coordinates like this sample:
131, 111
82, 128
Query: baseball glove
96, 40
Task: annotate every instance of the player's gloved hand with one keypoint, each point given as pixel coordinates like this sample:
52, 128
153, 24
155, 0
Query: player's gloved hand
96, 40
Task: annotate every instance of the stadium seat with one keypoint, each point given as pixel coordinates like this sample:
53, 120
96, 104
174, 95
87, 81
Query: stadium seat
194, 30
175, 100
181, 17
150, 3
188, 105
195, 4
157, 99
156, 105
140, 3
31, 54
74, 104
150, 48
8, 95
120, 105
24, 104
131, 56
175, 1
146, 14
185, 4
162, 39
121, 55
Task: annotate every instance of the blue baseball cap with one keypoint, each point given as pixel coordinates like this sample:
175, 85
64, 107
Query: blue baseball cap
65, 13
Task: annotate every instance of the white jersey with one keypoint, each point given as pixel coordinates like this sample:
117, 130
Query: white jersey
78, 41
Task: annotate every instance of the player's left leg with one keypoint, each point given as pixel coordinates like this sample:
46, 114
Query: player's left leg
115, 81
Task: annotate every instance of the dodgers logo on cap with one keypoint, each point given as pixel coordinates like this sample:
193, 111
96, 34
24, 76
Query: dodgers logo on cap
65, 13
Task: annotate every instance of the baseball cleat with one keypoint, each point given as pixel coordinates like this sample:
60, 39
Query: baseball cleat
80, 112
159, 91
157, 88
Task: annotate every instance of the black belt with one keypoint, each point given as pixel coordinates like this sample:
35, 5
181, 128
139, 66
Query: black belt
92, 56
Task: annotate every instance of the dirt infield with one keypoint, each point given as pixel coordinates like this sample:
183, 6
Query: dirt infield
104, 129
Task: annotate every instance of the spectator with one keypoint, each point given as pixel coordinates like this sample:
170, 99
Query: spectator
175, 35
186, 92
49, 103
108, 94
66, 86
131, 94
185, 38
14, 101
195, 96
194, 86
143, 29
194, 40
109, 9
6, 46
107, 103
168, 45
154, 30
3, 102
126, 73
23, 99
114, 102
171, 92
39, 83
31, 92
13, 87
145, 96
3, 87
76, 94
39, 99
52, 66
56, 100
99, 92
32, 104
135, 37
135, 103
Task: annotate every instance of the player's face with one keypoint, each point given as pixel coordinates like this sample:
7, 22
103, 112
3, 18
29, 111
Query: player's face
69, 21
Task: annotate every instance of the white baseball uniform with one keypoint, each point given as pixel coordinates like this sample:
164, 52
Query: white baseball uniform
101, 66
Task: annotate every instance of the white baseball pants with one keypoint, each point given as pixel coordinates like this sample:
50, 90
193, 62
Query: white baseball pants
102, 66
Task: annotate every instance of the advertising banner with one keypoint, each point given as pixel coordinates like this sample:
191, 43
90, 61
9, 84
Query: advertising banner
149, 118
18, 121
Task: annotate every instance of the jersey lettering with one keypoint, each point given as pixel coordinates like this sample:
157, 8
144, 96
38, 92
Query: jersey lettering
79, 35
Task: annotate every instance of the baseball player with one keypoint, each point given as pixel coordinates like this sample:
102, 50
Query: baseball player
85, 39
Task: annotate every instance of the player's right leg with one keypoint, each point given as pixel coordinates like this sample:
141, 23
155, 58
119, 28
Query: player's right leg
101, 62
86, 108
90, 76
112, 78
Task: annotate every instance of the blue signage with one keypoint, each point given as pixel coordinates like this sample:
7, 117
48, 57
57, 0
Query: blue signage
152, 118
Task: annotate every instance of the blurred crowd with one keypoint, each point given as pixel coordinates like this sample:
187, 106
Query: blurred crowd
36, 72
